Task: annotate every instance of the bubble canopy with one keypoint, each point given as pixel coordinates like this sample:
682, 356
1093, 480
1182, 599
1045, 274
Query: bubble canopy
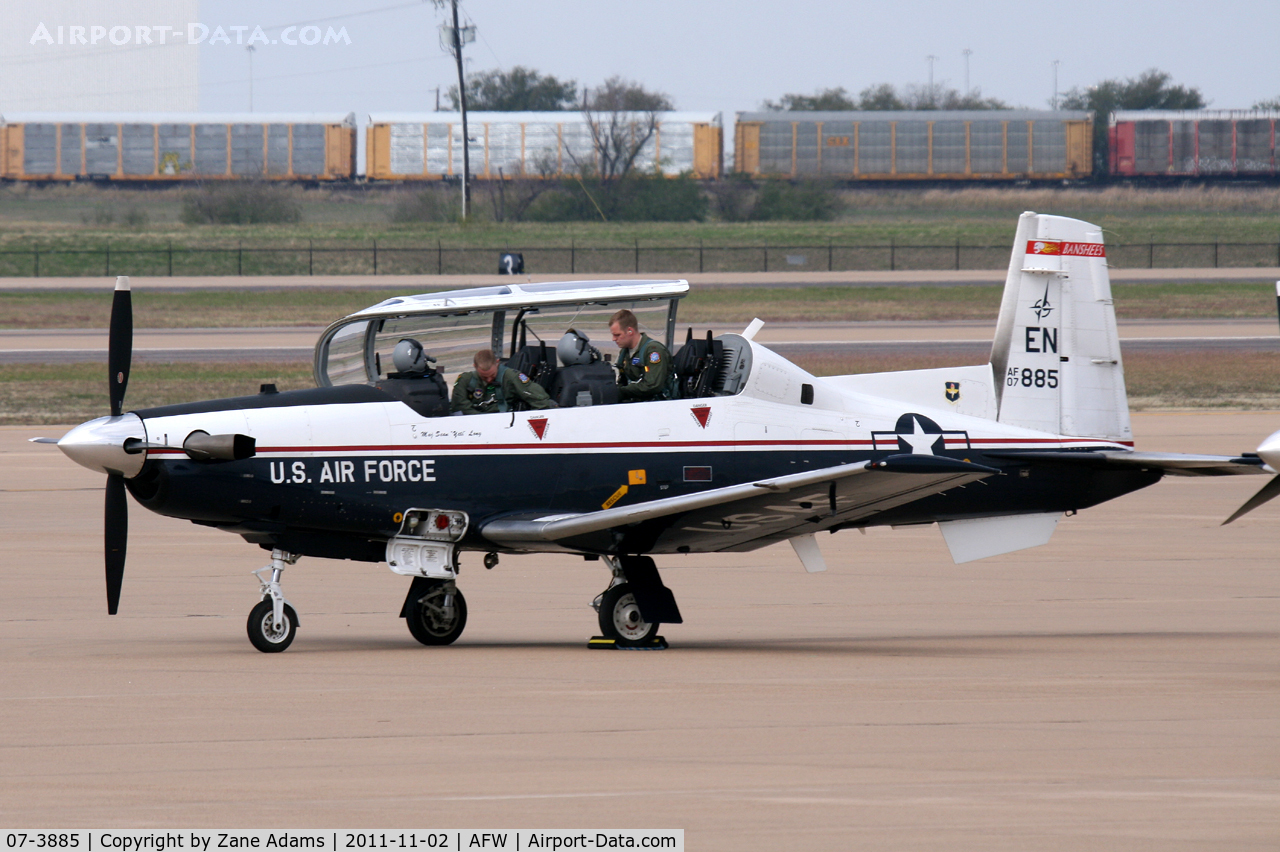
453, 325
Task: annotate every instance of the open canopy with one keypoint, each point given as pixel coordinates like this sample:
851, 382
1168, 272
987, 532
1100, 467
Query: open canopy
453, 325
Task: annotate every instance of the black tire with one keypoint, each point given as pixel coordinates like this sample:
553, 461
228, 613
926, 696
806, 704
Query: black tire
620, 617
426, 622
261, 634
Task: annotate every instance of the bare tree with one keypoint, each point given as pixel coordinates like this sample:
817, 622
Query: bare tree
512, 195
621, 118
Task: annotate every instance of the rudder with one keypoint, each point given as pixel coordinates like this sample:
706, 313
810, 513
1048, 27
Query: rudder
1056, 355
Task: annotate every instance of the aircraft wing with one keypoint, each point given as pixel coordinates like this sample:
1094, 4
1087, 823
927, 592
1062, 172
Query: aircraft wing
745, 516
1174, 464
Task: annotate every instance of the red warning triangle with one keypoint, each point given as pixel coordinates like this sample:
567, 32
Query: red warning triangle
539, 426
701, 413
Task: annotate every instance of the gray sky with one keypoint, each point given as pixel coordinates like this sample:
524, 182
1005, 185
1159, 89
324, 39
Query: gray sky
729, 56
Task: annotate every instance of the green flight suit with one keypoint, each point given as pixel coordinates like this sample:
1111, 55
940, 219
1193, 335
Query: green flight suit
644, 374
473, 395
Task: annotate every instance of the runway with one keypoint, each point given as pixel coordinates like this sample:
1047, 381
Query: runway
969, 340
1117, 688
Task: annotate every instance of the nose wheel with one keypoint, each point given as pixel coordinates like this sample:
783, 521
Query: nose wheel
273, 622
268, 635
620, 617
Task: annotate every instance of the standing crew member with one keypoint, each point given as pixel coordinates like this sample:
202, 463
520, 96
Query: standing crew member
644, 364
490, 387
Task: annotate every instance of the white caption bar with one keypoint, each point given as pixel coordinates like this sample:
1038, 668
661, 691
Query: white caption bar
339, 840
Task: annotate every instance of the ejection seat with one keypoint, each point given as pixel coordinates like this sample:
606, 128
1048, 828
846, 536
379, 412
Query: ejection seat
415, 382
584, 378
697, 364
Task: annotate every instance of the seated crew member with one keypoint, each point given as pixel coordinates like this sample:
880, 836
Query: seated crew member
644, 364
492, 387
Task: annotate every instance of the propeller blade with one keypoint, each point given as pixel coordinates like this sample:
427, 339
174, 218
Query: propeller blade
120, 344
1267, 492
115, 534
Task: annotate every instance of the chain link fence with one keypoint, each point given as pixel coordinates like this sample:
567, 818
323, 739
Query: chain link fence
638, 259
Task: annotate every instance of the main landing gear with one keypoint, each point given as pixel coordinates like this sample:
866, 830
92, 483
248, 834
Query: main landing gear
435, 611
273, 622
636, 603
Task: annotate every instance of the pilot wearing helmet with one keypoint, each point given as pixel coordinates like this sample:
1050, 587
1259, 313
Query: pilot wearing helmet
494, 387
644, 364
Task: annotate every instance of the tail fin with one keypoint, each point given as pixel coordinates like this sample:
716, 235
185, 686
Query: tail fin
1056, 355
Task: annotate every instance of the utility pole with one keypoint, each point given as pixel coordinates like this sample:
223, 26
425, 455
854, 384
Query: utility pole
932, 98
967, 53
456, 38
1056, 63
250, 50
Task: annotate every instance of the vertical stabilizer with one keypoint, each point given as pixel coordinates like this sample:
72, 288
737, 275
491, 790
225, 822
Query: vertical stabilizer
1056, 355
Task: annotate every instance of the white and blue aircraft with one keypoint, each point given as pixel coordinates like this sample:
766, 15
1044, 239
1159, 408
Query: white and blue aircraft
749, 450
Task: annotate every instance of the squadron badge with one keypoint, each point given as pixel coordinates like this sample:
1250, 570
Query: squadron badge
953, 392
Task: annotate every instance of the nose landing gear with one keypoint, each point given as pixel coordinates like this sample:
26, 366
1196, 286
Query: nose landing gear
273, 622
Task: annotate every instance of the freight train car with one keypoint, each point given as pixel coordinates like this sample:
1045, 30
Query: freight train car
915, 146
177, 146
428, 146
1194, 143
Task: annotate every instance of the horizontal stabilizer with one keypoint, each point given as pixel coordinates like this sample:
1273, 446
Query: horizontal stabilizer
1174, 464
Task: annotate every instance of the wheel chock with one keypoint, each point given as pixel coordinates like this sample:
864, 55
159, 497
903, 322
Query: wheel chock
657, 643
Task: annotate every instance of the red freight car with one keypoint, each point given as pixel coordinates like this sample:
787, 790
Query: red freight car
1194, 143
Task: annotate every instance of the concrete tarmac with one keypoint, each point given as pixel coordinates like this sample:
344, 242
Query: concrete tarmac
293, 344
1118, 688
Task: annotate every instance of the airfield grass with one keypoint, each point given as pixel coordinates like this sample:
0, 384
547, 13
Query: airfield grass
320, 306
73, 393
35, 394
89, 217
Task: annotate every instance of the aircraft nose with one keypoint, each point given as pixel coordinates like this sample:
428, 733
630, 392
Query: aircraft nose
100, 445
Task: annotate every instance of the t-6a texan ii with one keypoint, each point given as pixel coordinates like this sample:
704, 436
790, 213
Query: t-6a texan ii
740, 449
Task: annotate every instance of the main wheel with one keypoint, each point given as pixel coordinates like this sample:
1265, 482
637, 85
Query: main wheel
428, 621
262, 631
620, 616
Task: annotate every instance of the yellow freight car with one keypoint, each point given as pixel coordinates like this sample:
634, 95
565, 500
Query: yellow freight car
177, 146
923, 145
428, 146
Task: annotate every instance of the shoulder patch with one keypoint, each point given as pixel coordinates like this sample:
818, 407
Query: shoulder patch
523, 378
654, 357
